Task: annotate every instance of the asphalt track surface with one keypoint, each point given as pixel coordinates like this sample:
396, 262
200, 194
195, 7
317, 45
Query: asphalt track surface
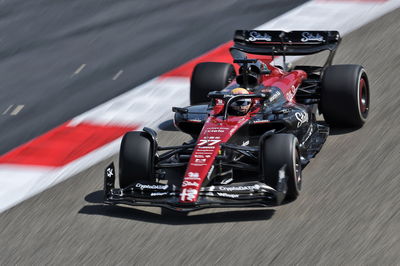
59, 59
348, 212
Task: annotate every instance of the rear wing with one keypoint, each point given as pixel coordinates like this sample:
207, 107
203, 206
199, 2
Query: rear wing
284, 43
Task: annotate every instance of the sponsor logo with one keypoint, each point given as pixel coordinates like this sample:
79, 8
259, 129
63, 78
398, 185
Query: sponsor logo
266, 90
192, 176
258, 36
311, 37
198, 164
219, 102
261, 121
188, 194
218, 128
189, 184
223, 194
206, 154
143, 186
240, 188
274, 96
200, 160
202, 148
302, 117
198, 156
215, 131
110, 172
155, 194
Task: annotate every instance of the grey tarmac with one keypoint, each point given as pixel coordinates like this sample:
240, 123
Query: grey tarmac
347, 214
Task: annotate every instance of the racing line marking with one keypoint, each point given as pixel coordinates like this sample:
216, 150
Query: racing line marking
118, 74
8, 109
79, 69
17, 109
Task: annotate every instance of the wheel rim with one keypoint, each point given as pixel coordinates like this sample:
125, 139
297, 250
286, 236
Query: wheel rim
298, 177
363, 98
297, 170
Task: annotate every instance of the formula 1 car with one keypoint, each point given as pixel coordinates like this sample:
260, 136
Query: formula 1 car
252, 132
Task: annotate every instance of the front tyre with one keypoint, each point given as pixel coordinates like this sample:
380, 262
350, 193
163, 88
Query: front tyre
281, 159
345, 95
135, 158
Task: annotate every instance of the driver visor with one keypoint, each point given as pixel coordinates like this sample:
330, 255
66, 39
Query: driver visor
243, 102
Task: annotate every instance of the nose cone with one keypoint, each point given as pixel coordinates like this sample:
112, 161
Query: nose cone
215, 131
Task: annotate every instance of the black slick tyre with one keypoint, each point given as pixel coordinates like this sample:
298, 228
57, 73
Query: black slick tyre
345, 95
207, 77
135, 158
280, 158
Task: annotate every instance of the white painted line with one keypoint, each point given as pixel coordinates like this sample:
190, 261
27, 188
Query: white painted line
118, 74
79, 69
8, 109
133, 107
17, 109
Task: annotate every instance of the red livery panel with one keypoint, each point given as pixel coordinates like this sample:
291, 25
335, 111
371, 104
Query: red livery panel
215, 132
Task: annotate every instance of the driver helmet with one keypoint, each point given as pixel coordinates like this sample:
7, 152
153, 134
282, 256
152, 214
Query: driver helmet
240, 106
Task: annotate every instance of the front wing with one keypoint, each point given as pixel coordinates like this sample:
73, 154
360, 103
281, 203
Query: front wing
244, 194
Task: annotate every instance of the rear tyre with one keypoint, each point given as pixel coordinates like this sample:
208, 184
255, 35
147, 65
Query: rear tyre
345, 95
135, 158
207, 77
281, 158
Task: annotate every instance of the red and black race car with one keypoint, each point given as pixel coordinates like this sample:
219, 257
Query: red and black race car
252, 132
